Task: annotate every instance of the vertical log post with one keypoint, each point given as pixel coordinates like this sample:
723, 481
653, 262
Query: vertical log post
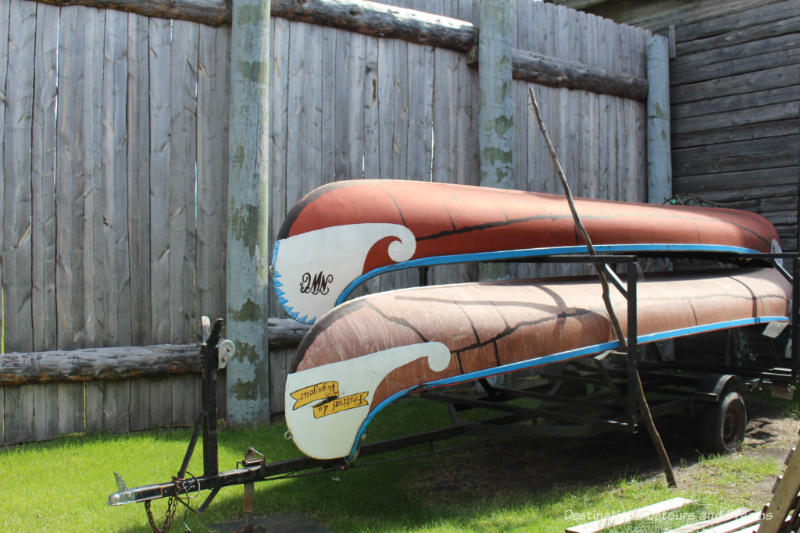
248, 216
659, 163
496, 111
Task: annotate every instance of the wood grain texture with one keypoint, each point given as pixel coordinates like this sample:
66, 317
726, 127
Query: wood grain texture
18, 422
16, 165
138, 175
43, 219
99, 364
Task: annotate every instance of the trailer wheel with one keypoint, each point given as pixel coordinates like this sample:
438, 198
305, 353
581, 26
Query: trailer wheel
723, 424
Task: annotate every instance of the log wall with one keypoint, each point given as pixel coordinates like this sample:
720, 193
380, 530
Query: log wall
113, 150
735, 100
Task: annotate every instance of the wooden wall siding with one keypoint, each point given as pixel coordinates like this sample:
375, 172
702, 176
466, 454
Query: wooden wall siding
735, 111
113, 150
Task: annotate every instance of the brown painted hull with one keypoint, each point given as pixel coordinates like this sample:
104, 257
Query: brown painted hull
341, 232
488, 325
367, 351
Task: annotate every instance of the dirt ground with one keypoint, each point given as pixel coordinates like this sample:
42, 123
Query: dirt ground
525, 463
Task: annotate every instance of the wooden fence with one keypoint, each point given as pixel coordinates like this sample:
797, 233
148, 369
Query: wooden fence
113, 150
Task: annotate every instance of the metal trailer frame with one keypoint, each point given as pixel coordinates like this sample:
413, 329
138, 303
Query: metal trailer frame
679, 385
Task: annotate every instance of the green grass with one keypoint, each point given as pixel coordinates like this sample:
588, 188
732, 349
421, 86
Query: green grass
63, 486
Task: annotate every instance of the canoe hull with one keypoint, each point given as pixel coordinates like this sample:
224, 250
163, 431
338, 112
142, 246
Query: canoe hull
345, 232
369, 351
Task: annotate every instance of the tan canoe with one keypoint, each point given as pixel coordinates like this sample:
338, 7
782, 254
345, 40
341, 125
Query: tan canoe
369, 351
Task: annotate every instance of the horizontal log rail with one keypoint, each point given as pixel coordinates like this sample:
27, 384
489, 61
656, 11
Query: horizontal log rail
385, 21
125, 362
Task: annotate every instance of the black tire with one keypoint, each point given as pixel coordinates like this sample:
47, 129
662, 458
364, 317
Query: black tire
723, 424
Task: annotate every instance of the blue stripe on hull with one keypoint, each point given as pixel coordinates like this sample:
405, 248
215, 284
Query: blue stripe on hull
538, 252
557, 358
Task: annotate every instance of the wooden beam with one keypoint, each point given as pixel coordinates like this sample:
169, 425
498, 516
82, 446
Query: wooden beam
659, 162
210, 12
381, 20
99, 364
125, 362
554, 72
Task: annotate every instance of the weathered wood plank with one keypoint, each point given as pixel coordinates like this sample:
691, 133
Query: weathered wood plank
736, 180
735, 102
730, 36
279, 363
629, 516
43, 219
93, 391
117, 289
735, 19
185, 399
70, 408
753, 115
183, 154
16, 165
116, 406
4, 24
138, 173
160, 150
160, 402
95, 268
741, 155
420, 112
2, 406
45, 411
89, 364
212, 168
140, 404
19, 408
771, 78
349, 114
737, 133
280, 196
753, 64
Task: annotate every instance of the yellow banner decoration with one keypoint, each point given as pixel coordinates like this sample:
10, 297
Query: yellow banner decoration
341, 404
312, 393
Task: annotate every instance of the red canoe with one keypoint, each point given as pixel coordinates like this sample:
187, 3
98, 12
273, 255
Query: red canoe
343, 233
369, 351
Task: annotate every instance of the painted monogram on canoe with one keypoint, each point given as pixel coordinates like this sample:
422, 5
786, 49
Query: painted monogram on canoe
318, 284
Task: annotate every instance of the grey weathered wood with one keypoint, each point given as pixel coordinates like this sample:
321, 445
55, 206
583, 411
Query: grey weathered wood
734, 19
771, 78
758, 130
728, 119
160, 402
138, 174
19, 408
160, 153
731, 103
183, 139
2, 411
116, 406
381, 20
43, 219
95, 417
95, 268
281, 197
420, 112
45, 411
659, 163
736, 36
185, 399
280, 362
735, 180
140, 404
212, 156
71, 408
248, 215
741, 155
112, 363
16, 165
117, 290
349, 113
545, 70
211, 12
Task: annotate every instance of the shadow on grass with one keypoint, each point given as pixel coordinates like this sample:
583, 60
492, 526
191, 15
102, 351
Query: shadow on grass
462, 488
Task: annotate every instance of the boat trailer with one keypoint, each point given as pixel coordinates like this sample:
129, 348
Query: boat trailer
582, 398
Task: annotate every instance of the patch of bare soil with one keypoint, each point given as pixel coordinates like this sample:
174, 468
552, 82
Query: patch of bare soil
504, 466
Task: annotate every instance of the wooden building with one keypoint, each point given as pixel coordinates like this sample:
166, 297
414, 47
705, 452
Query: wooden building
735, 98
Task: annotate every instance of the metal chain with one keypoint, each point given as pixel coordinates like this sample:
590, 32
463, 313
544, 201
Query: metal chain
172, 507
